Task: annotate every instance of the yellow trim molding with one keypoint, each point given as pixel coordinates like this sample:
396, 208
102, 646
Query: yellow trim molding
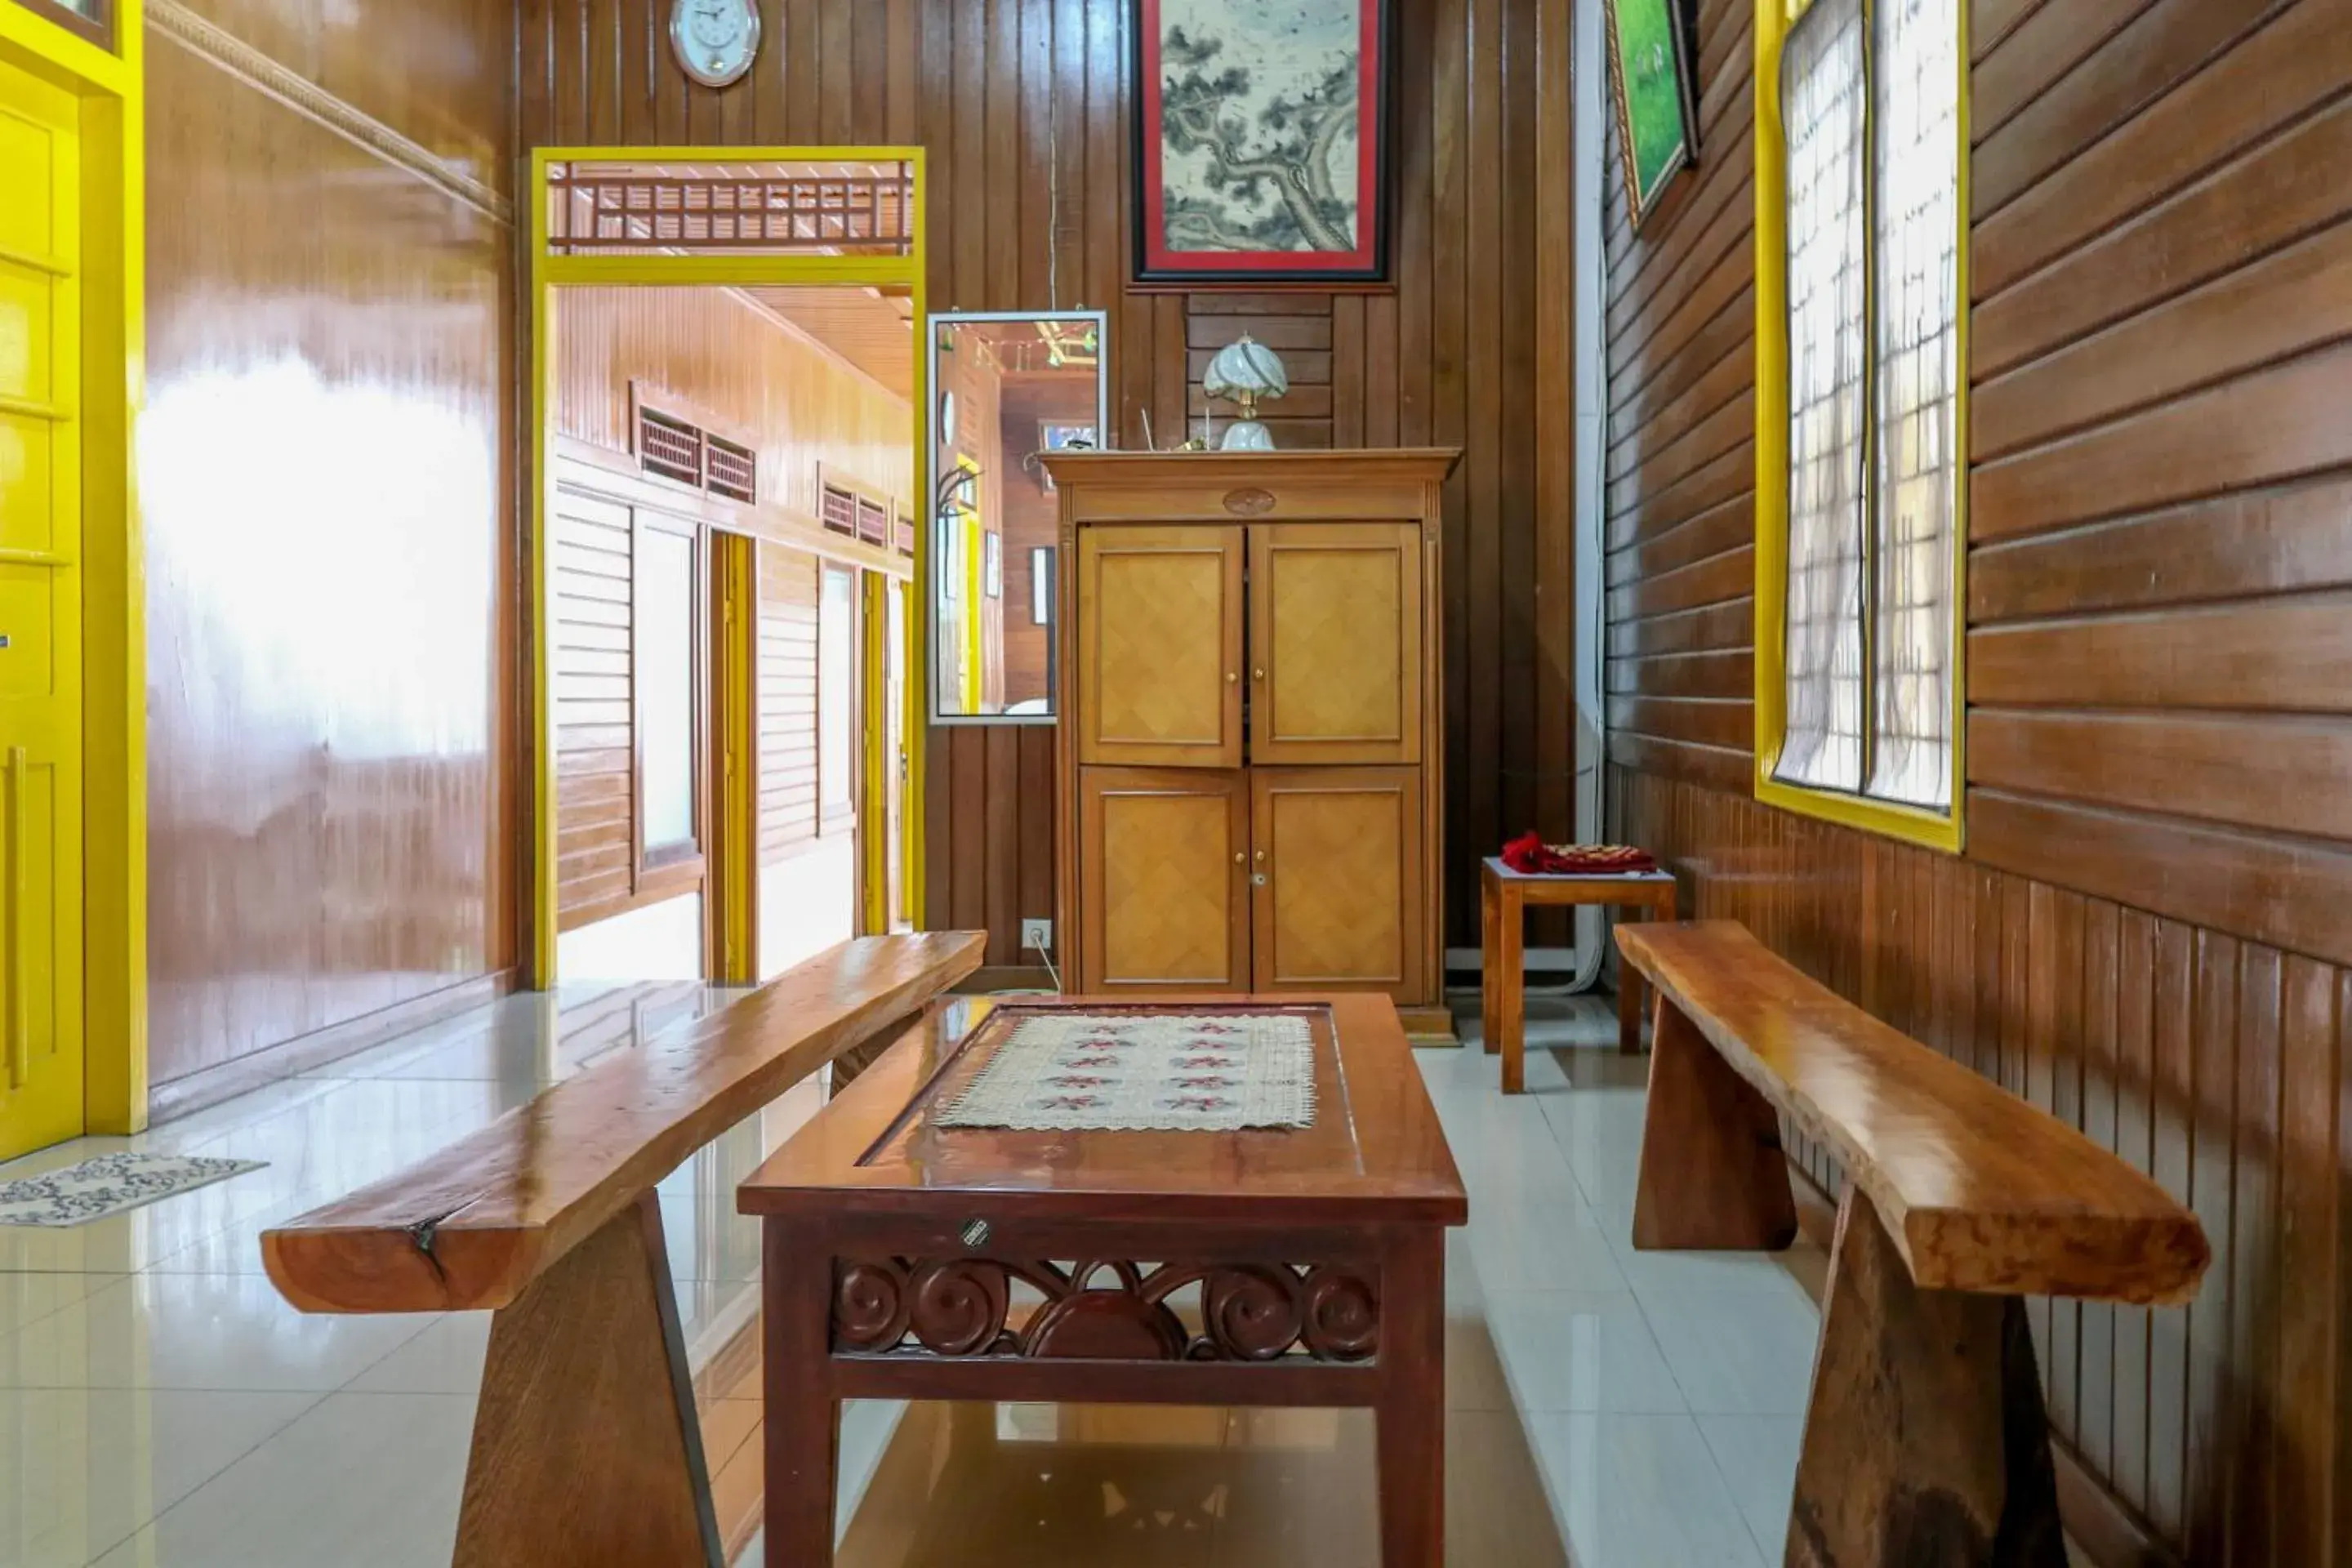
1936, 830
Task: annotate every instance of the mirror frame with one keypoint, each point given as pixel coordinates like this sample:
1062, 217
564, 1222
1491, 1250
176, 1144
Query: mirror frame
930, 539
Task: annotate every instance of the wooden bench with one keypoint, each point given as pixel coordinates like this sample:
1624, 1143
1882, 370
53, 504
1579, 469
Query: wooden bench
586, 1447
1925, 1438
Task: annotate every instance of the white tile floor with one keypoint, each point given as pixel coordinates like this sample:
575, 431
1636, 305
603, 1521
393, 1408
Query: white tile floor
161, 1407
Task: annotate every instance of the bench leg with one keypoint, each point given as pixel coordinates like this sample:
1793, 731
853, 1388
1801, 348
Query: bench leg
1926, 1441
1713, 1176
586, 1447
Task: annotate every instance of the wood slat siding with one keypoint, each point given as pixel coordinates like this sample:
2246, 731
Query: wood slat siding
2145, 938
594, 700
784, 677
1024, 107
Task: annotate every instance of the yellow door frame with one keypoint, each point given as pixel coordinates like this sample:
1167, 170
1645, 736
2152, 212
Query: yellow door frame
549, 273
111, 86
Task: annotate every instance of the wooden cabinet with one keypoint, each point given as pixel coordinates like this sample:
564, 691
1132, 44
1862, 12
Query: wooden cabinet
1250, 762
1164, 854
1335, 643
1336, 880
1159, 612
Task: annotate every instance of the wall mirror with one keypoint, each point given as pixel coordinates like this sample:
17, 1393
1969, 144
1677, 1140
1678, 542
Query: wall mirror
1006, 388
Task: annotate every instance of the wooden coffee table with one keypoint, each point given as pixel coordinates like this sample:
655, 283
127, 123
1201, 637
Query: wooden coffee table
907, 1260
1503, 895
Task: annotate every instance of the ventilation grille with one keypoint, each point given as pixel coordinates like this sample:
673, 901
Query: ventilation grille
670, 447
678, 450
873, 523
840, 511
906, 536
730, 470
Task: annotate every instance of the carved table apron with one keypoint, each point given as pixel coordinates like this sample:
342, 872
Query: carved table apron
909, 1261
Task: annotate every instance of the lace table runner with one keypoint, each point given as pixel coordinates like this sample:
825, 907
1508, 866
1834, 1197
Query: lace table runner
1085, 1072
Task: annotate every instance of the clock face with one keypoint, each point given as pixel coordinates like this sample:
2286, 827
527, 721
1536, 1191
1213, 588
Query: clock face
715, 40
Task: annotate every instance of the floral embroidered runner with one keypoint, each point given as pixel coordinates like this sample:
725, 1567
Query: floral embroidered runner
1107, 1072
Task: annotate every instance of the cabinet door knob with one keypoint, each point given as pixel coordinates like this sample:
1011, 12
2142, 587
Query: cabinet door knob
1239, 856
1232, 677
1261, 854
1258, 674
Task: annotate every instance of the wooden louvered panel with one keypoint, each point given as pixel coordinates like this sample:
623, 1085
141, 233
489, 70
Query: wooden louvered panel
873, 522
837, 510
670, 446
589, 667
786, 682
730, 470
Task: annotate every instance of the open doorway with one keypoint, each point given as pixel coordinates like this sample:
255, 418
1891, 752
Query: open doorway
727, 497
728, 470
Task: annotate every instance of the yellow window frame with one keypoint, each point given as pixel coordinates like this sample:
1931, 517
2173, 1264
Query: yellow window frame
1944, 831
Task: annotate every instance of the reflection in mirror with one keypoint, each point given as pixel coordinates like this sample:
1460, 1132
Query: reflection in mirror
1004, 389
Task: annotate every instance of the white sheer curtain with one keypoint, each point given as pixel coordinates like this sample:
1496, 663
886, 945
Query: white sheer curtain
1916, 112
1873, 386
1822, 97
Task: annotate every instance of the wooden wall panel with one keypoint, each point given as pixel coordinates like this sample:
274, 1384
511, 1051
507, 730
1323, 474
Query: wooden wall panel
326, 480
432, 71
1024, 107
2145, 937
730, 358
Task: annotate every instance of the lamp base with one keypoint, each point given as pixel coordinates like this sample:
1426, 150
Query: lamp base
1247, 435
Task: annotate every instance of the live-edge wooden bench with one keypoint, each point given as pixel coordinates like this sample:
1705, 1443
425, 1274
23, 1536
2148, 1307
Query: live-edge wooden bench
586, 1451
1924, 1439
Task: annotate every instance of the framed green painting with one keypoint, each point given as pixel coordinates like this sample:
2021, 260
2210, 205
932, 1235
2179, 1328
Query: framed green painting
1655, 49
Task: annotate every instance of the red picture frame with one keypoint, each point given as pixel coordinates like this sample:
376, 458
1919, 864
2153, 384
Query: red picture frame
1164, 155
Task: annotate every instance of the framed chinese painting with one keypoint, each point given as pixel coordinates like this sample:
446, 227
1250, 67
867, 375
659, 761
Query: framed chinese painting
1261, 145
1654, 49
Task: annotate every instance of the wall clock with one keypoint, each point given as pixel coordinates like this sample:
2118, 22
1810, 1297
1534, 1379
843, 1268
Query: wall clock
715, 40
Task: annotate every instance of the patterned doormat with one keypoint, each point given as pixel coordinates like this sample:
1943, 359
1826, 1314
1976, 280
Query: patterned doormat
1137, 1072
110, 1183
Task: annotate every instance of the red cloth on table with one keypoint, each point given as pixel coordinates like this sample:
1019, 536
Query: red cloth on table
1530, 856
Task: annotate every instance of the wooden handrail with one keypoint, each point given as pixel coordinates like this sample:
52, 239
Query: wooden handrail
472, 1226
1978, 1190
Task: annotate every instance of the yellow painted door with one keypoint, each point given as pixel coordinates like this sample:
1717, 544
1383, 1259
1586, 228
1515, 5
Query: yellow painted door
1159, 627
1336, 868
1335, 639
1161, 854
40, 615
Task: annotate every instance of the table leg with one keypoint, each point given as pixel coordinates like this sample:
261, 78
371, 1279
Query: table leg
1510, 1019
1411, 1416
800, 1417
1490, 930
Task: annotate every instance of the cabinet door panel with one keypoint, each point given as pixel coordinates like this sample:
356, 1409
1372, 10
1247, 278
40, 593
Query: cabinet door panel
1337, 852
1159, 612
1164, 887
1336, 641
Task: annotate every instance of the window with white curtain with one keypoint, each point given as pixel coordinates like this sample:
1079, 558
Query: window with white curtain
1870, 106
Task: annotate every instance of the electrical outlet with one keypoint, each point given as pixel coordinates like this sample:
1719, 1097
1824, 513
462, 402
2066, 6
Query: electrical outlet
1037, 936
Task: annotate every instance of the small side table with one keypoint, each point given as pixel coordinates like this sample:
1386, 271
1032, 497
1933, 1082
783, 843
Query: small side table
1503, 898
